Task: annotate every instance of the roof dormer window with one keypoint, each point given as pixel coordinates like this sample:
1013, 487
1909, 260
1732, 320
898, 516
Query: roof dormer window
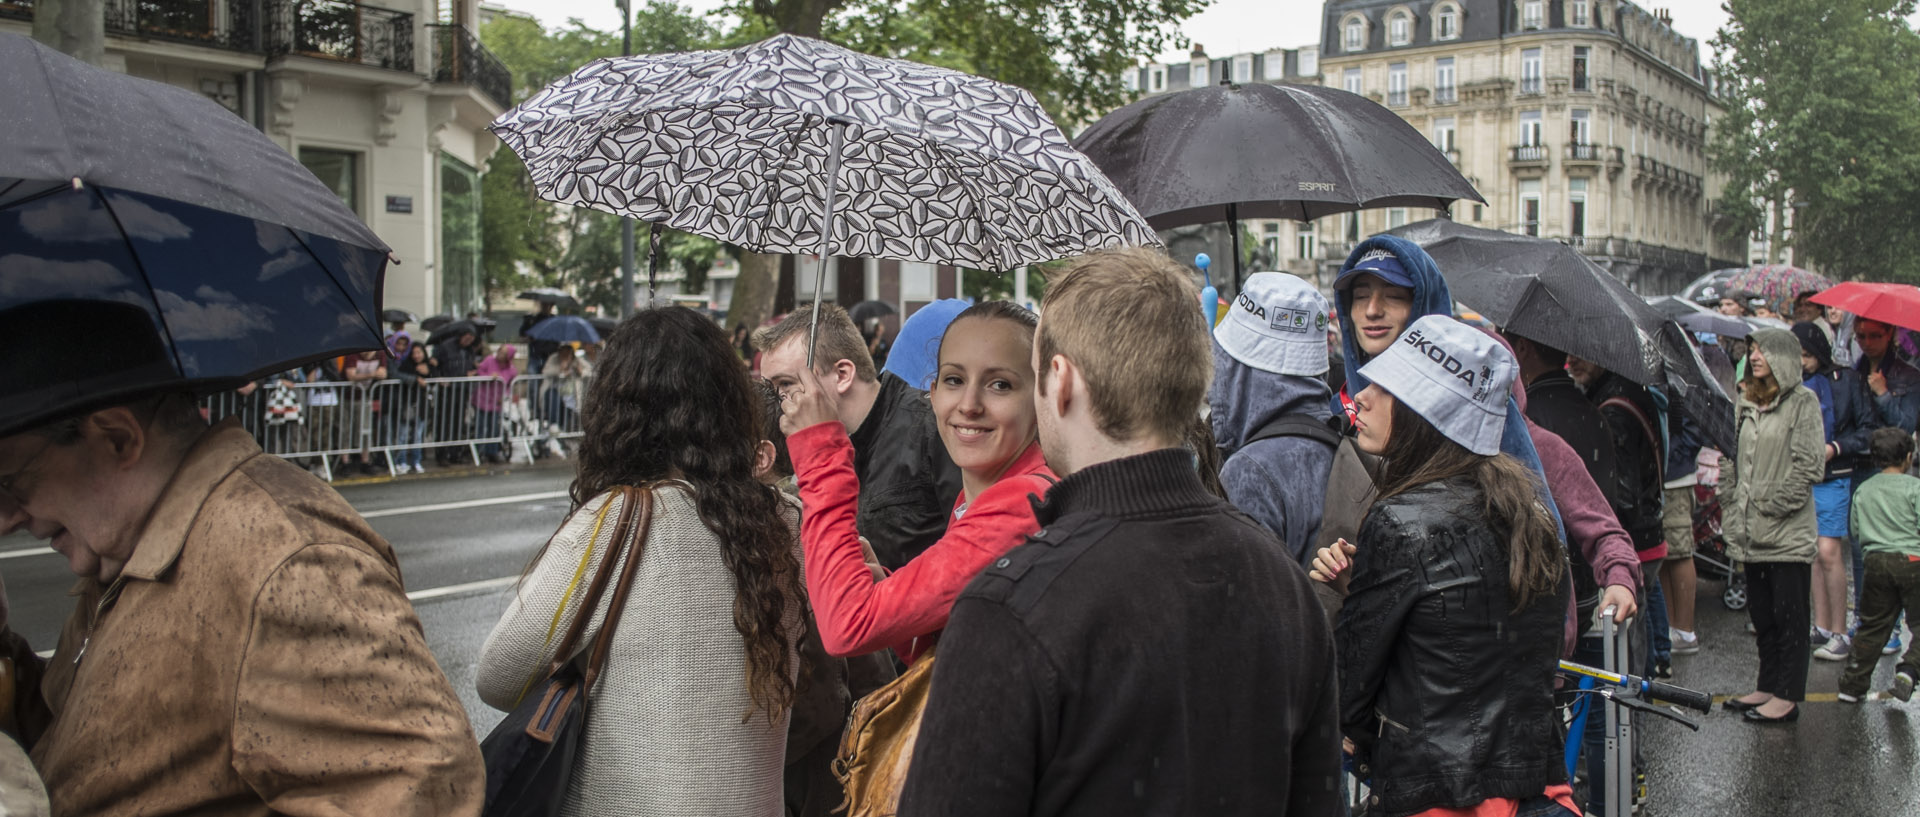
1399, 28
1354, 34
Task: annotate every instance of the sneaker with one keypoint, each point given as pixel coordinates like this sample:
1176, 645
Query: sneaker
1662, 669
1893, 645
1847, 699
1902, 689
1835, 649
1685, 643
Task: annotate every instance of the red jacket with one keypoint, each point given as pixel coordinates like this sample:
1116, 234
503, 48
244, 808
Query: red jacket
857, 615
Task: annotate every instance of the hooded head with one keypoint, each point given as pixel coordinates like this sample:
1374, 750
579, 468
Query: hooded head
1814, 342
1269, 358
1781, 350
1408, 263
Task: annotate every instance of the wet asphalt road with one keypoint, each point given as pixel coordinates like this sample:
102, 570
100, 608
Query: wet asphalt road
1839, 759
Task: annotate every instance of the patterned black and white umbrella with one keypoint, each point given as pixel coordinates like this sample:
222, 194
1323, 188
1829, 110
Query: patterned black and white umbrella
762, 145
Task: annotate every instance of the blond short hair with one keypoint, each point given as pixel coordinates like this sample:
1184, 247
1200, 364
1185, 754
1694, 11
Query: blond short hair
839, 339
1130, 320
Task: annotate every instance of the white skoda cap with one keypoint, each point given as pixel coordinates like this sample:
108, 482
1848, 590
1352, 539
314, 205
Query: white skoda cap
1277, 324
1451, 374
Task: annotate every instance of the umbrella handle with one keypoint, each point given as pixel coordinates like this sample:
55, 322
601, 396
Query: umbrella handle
837, 140
653, 259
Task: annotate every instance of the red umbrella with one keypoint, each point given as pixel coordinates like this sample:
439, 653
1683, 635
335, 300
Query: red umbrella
1896, 304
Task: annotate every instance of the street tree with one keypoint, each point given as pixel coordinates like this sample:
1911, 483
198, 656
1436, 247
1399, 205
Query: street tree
1068, 55
1821, 123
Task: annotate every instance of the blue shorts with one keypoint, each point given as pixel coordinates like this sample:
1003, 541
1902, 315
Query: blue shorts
1831, 499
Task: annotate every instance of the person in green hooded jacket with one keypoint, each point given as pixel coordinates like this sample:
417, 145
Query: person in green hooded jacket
1768, 518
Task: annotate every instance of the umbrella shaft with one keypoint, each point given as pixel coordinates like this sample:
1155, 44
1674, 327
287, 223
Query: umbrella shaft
836, 140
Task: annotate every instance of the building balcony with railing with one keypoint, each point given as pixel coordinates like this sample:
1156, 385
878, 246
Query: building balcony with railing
1446, 95
1396, 99
1529, 155
343, 32
231, 25
458, 56
1531, 85
1581, 153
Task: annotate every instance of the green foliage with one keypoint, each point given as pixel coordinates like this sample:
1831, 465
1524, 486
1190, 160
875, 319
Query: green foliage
520, 237
988, 285
1822, 118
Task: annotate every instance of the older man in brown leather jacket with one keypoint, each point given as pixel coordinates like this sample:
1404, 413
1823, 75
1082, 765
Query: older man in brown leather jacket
242, 643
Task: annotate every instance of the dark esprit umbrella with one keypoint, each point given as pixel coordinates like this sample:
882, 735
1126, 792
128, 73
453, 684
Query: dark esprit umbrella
397, 316
565, 329
1228, 152
1547, 291
216, 257
867, 310
548, 295
434, 323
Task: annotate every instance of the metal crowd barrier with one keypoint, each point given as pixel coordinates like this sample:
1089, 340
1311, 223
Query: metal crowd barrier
398, 421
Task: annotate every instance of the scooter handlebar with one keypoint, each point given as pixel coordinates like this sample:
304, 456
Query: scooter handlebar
1680, 696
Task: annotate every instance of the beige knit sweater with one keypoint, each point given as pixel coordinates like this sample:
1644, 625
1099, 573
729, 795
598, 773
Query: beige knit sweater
664, 733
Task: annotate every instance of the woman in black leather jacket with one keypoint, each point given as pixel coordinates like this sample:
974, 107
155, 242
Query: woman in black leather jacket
1450, 634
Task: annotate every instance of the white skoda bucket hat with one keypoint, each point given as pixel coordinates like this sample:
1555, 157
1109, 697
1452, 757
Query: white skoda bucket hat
1451, 374
1277, 324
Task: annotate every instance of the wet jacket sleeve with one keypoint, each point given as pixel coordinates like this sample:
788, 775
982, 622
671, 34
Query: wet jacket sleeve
857, 615
1900, 406
327, 677
1589, 519
990, 720
1862, 417
1381, 595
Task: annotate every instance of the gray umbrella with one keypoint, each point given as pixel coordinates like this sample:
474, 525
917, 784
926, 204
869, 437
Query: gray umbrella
1227, 152
1547, 291
780, 145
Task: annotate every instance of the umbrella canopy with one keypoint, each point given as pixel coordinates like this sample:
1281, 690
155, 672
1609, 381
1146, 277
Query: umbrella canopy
1227, 152
1714, 324
604, 326
548, 295
869, 310
1547, 291
565, 329
175, 233
1896, 304
1710, 287
454, 330
1674, 306
397, 316
763, 145
1777, 284
434, 323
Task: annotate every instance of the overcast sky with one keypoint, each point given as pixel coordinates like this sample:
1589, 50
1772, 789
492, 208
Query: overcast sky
1226, 27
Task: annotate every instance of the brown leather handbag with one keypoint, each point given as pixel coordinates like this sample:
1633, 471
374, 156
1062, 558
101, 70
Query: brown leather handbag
878, 743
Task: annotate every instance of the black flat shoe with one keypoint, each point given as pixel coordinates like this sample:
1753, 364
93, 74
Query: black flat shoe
1755, 716
1736, 705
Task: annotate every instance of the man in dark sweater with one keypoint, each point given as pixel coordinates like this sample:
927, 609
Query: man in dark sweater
1150, 650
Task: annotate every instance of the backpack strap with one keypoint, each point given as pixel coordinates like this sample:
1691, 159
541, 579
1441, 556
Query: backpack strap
1646, 425
1296, 425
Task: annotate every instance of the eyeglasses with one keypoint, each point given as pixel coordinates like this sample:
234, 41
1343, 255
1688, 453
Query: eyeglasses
10, 497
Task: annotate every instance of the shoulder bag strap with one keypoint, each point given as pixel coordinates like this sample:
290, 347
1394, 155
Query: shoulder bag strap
603, 641
591, 602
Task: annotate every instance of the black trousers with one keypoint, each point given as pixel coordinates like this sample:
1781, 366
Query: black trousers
1777, 598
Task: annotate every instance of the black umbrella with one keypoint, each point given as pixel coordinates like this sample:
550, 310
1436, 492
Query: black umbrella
148, 213
1714, 324
397, 316
453, 330
434, 323
1711, 286
869, 310
549, 295
1547, 291
1227, 152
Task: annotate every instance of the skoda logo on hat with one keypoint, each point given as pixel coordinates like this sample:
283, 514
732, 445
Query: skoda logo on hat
1448, 363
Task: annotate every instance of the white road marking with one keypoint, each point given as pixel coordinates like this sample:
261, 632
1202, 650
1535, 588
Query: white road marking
470, 503
423, 595
15, 554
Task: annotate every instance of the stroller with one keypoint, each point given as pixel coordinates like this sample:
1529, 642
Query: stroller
1710, 556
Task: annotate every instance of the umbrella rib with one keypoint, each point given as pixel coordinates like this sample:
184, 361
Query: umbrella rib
172, 345
938, 151
335, 280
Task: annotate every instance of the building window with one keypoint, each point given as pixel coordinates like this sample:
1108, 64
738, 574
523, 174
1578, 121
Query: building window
1530, 206
462, 287
1243, 68
339, 170
1581, 56
1353, 80
1530, 71
1530, 128
1304, 243
1478, 212
1577, 13
1197, 74
1356, 34
1446, 22
1308, 62
1396, 217
1399, 28
1444, 88
1397, 84
1443, 134
1157, 79
1581, 132
1533, 14
1130, 80
1353, 228
1577, 211
1274, 67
